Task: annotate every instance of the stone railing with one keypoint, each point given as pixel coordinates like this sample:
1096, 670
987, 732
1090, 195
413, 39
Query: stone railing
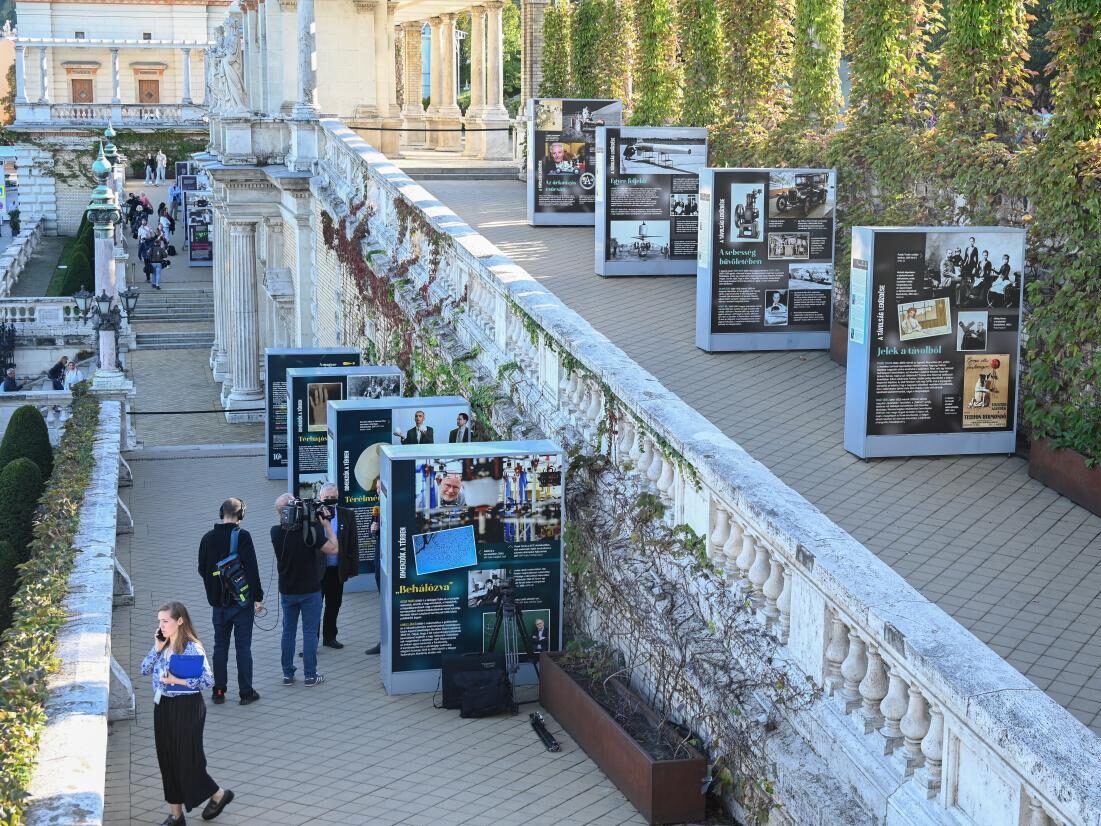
15, 256
90, 688
54, 405
42, 314
120, 114
920, 722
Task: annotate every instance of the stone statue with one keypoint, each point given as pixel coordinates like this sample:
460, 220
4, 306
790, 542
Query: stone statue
225, 75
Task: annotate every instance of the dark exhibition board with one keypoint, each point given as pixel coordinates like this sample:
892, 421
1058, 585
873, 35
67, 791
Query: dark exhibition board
766, 259
647, 211
457, 522
562, 158
934, 340
357, 430
277, 360
309, 391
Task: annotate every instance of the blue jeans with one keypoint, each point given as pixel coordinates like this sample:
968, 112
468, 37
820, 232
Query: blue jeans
237, 621
156, 274
309, 606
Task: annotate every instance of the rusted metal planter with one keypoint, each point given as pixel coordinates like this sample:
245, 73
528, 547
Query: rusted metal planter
1065, 471
839, 343
664, 791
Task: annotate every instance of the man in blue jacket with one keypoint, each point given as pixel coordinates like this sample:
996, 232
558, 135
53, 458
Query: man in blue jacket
232, 616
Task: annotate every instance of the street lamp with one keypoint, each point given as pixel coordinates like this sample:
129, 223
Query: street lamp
103, 310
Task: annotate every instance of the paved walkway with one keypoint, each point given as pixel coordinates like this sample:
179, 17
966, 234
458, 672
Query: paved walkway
1011, 560
36, 276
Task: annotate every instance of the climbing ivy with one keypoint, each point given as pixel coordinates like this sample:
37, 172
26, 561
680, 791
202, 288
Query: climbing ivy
815, 82
701, 43
556, 50
657, 75
586, 39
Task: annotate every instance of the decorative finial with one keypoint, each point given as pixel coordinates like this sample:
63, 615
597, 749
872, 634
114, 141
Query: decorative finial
100, 167
109, 149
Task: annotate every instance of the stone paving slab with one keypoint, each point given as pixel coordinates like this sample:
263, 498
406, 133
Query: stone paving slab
340, 753
35, 278
1011, 560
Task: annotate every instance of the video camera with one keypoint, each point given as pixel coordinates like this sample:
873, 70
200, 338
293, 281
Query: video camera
299, 512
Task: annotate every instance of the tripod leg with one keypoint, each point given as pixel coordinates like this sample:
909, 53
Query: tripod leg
497, 623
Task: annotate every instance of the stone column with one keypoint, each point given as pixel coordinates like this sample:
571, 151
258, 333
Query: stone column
435, 69
306, 105
450, 114
531, 47
388, 137
116, 84
20, 74
393, 111
495, 116
43, 75
244, 341
186, 74
103, 212
219, 353
412, 112
473, 120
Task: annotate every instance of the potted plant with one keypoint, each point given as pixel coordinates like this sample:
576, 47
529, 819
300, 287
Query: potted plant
1066, 470
650, 759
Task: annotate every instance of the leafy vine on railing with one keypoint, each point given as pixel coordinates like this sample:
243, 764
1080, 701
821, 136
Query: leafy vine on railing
650, 582
27, 647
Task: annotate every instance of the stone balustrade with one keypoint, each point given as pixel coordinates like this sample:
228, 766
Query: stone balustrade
14, 258
45, 315
54, 405
119, 114
90, 688
918, 721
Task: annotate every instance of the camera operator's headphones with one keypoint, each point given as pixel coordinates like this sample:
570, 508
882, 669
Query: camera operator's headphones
238, 514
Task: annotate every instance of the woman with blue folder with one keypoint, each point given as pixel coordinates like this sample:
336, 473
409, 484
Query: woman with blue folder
180, 673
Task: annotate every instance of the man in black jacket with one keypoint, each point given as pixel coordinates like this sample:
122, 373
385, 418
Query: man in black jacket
339, 567
232, 617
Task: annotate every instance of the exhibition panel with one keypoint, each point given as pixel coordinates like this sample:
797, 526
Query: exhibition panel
277, 360
766, 250
309, 391
359, 427
562, 158
647, 188
934, 340
466, 528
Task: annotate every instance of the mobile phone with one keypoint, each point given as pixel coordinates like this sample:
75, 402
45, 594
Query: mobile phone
160, 635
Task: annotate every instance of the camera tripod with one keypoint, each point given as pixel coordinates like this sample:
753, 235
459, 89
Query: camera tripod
509, 625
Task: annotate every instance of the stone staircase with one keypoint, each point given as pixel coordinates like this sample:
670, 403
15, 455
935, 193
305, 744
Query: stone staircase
445, 173
161, 314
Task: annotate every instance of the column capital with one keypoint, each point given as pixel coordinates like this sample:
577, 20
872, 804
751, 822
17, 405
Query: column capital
435, 21
449, 18
241, 226
494, 5
362, 6
391, 6
479, 9
412, 26
274, 223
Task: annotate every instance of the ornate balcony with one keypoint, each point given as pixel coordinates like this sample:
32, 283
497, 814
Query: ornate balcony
120, 114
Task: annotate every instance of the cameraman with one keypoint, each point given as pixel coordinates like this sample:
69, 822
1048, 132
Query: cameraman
301, 546
231, 616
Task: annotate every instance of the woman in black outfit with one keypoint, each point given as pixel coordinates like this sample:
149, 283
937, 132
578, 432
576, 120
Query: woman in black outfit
178, 717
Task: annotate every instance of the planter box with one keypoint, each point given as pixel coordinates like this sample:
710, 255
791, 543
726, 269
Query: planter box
839, 343
1065, 471
664, 791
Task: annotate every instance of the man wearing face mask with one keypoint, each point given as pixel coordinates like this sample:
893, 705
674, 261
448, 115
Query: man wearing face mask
339, 567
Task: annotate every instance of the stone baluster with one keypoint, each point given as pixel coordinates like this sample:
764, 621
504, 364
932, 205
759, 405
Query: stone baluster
893, 708
596, 403
646, 457
718, 536
873, 688
773, 587
758, 575
625, 433
835, 654
914, 725
932, 749
1036, 814
784, 606
731, 548
853, 670
667, 480
569, 386
746, 557
635, 454
653, 472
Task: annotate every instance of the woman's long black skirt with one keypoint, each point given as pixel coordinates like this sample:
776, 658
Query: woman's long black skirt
178, 730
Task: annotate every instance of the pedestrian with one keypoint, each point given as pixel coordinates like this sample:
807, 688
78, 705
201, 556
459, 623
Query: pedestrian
179, 715
162, 163
73, 375
233, 610
300, 548
56, 373
156, 260
148, 169
10, 384
165, 222
339, 566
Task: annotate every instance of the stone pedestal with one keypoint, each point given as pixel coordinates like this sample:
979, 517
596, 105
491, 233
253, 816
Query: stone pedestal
388, 138
453, 122
236, 140
303, 148
496, 146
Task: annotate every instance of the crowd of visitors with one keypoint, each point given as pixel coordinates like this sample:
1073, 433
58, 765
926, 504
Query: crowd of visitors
154, 234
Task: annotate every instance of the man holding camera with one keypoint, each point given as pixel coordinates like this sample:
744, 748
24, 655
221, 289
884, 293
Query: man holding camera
234, 606
301, 540
339, 566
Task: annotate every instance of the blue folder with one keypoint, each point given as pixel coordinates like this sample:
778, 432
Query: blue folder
186, 667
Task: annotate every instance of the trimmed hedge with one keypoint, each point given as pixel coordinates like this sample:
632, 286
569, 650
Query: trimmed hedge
27, 437
20, 489
28, 647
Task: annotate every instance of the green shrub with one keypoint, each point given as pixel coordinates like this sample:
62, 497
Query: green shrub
80, 274
28, 647
20, 489
13, 219
9, 559
27, 438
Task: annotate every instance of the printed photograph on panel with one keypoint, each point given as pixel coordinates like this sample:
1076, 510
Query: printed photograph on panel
794, 193
923, 319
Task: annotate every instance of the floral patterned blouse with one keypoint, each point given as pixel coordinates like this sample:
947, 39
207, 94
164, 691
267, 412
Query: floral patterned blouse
157, 665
